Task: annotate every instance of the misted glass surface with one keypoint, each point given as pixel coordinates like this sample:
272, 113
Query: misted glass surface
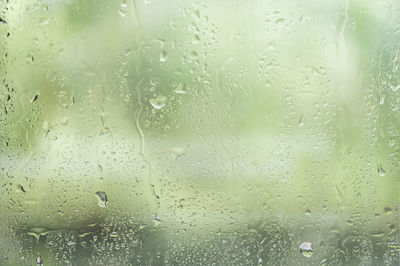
142, 132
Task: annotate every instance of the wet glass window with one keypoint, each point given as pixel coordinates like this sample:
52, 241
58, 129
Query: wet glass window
232, 132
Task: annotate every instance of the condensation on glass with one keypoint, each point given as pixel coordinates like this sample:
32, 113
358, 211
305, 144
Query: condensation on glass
142, 132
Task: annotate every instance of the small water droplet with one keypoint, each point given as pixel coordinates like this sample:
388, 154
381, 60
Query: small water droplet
178, 151
323, 262
280, 22
20, 188
39, 260
64, 122
381, 171
381, 99
308, 212
163, 56
114, 234
196, 39
301, 120
306, 249
34, 99
193, 55
156, 220
196, 14
102, 199
272, 45
159, 102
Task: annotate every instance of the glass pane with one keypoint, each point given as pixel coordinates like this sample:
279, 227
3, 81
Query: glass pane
144, 132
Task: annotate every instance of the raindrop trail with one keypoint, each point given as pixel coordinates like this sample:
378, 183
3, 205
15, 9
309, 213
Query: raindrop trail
220, 121
135, 13
142, 146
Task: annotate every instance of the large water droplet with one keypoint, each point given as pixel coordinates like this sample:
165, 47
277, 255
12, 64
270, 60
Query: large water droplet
181, 88
102, 198
306, 249
159, 102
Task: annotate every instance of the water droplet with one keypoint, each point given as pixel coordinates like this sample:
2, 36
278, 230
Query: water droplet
388, 210
46, 125
37, 231
178, 151
306, 249
163, 56
114, 234
158, 102
34, 99
381, 171
392, 142
39, 260
83, 233
280, 22
381, 99
193, 55
123, 11
196, 39
301, 120
308, 212
64, 122
156, 220
196, 14
323, 262
102, 198
20, 188
181, 88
